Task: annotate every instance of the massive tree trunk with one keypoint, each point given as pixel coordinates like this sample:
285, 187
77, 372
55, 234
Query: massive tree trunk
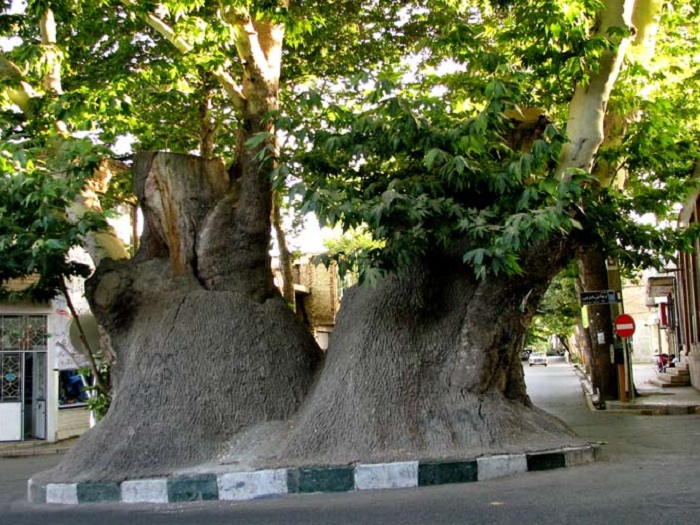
427, 365
204, 347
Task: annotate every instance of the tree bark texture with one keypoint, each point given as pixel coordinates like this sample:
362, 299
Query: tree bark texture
594, 276
427, 365
198, 358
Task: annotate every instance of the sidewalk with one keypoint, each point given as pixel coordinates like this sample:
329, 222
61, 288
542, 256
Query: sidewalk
653, 400
35, 447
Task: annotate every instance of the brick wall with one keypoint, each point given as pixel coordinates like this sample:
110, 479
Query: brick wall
322, 303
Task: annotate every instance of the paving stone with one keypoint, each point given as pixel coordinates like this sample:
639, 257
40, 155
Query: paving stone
545, 461
320, 479
62, 493
680, 410
386, 475
98, 492
37, 492
145, 491
195, 488
578, 456
440, 473
491, 467
251, 485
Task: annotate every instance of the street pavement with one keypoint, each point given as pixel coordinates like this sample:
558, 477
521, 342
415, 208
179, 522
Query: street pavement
651, 475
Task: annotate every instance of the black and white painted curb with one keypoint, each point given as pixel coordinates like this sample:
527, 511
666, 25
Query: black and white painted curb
299, 480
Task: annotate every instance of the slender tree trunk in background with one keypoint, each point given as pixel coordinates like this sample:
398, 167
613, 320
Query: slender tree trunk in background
207, 127
427, 364
583, 337
285, 258
594, 276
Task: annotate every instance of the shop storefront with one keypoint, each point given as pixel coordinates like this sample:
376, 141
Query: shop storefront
42, 394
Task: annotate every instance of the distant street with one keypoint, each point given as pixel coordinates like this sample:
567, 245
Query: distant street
651, 476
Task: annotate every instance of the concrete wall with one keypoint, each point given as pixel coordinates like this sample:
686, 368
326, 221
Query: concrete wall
645, 342
322, 303
694, 368
72, 422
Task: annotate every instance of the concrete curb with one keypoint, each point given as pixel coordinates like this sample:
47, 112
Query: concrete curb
30, 452
592, 398
644, 409
235, 486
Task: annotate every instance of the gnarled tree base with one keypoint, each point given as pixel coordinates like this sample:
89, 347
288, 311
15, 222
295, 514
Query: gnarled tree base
196, 368
427, 365
424, 365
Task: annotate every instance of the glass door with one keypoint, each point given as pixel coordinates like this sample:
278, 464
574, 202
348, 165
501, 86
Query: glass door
11, 381
23, 377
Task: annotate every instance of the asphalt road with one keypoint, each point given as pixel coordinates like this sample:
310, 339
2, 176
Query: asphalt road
651, 476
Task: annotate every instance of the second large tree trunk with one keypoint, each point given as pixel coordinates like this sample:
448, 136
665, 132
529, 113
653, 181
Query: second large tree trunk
427, 365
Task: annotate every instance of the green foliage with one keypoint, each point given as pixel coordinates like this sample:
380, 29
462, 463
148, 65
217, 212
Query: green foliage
441, 151
349, 251
97, 400
422, 178
35, 232
558, 310
413, 119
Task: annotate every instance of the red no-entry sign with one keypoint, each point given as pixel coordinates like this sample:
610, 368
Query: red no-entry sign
624, 325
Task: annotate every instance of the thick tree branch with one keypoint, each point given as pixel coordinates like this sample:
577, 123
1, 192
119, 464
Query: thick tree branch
230, 87
585, 128
166, 31
104, 244
47, 26
8, 69
21, 94
258, 43
645, 20
246, 39
641, 49
163, 28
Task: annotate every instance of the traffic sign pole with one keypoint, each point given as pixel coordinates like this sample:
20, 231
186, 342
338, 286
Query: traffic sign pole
629, 364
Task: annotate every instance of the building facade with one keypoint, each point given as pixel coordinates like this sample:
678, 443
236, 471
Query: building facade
688, 293
42, 394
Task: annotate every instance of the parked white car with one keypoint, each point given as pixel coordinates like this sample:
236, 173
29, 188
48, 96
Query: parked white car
537, 358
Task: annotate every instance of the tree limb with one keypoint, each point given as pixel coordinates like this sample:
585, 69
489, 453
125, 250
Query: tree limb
24, 91
589, 103
99, 383
248, 44
230, 87
47, 27
9, 70
163, 28
167, 32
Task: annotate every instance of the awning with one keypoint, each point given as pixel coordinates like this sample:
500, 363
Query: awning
661, 286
